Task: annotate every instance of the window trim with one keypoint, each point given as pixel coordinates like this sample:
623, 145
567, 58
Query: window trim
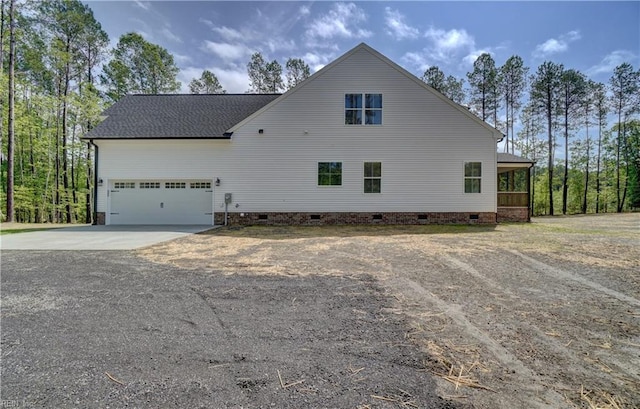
465, 177
363, 109
149, 185
124, 185
172, 185
200, 184
330, 162
364, 177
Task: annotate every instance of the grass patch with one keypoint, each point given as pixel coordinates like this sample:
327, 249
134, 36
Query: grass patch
14, 231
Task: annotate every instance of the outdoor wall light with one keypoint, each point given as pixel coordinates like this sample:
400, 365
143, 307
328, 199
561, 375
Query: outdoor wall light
100, 182
260, 131
217, 181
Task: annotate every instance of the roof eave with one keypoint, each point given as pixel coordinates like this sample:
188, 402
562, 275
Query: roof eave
226, 135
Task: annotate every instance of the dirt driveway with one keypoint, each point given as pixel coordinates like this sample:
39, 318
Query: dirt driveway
543, 315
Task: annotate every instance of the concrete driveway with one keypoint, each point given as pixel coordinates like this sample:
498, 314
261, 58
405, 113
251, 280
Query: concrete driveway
96, 237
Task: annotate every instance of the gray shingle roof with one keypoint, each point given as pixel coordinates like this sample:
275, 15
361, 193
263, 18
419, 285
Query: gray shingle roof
509, 158
177, 116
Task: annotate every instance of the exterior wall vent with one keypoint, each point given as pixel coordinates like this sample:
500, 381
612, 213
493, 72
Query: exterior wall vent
315, 217
422, 217
263, 217
377, 217
474, 217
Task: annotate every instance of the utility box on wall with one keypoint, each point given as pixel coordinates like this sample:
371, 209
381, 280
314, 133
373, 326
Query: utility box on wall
227, 198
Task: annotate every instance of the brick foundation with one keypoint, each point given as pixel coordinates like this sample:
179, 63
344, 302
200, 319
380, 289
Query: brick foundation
513, 214
100, 218
316, 219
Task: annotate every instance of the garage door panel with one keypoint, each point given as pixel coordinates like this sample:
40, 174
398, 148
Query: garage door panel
160, 202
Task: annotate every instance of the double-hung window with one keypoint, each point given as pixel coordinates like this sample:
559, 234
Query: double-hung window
363, 109
329, 173
472, 177
372, 177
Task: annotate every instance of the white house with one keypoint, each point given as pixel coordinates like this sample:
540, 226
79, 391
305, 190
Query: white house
360, 141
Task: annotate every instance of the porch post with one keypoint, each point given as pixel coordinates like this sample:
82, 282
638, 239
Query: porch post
530, 210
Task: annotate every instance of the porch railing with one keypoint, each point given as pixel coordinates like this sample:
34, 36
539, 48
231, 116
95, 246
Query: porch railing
513, 199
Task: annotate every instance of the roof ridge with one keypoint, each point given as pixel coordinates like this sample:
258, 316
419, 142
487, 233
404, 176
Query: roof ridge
197, 95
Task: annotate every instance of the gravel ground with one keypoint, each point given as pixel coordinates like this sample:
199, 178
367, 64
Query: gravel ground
112, 330
540, 315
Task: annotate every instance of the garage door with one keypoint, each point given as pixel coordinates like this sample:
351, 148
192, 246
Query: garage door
160, 202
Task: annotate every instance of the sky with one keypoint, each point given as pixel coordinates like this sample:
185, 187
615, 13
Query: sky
220, 36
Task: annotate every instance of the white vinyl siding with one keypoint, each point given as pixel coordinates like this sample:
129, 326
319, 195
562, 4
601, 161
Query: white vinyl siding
422, 143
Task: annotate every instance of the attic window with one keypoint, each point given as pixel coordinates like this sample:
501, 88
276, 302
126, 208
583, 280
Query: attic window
363, 109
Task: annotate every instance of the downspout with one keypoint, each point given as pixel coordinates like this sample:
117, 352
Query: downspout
95, 182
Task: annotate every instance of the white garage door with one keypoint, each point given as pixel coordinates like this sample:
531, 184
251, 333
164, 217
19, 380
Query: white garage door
160, 202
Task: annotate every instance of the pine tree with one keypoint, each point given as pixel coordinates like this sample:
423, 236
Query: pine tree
297, 71
624, 94
545, 89
484, 84
513, 81
207, 84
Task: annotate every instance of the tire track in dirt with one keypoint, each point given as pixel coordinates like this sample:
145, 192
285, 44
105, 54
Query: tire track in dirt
570, 276
543, 340
509, 360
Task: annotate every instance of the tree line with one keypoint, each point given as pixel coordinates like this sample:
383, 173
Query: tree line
59, 74
560, 108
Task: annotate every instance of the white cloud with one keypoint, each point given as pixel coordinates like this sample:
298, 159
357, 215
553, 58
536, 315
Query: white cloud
228, 34
234, 81
145, 5
449, 40
417, 60
181, 59
474, 54
170, 35
206, 22
226, 51
611, 61
396, 26
305, 10
556, 45
551, 46
447, 45
342, 21
186, 75
280, 44
573, 35
454, 48
317, 61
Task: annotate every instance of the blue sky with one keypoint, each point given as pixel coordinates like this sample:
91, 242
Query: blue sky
592, 37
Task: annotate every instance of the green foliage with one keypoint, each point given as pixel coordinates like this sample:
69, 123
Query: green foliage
207, 84
297, 71
449, 86
633, 148
512, 80
139, 67
59, 44
485, 88
265, 77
